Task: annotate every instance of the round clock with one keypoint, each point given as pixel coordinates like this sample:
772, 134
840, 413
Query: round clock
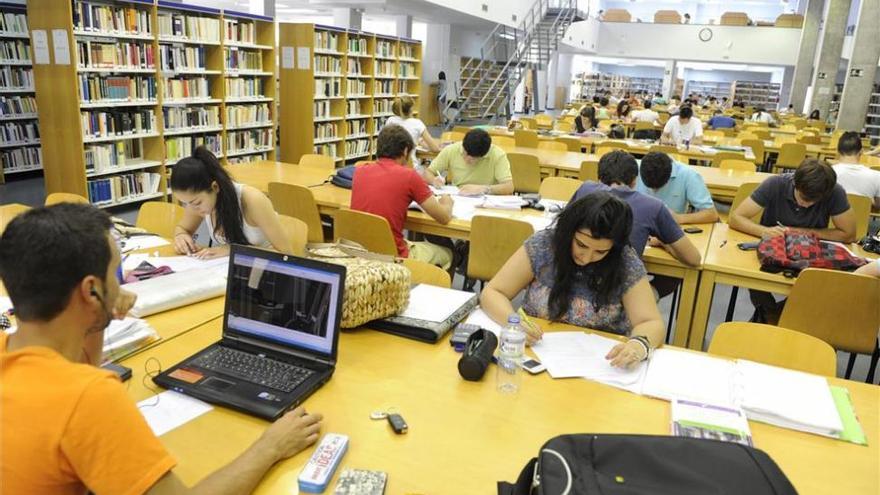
705, 34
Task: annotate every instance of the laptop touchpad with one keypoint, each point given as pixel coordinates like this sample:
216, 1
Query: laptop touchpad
216, 383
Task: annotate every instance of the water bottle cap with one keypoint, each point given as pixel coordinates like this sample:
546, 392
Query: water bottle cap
514, 318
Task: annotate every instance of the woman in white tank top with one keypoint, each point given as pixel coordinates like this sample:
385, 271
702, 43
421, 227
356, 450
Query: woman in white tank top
234, 213
402, 108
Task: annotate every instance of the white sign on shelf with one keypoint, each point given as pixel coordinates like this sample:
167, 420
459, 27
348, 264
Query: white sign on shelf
287, 57
62, 46
303, 58
41, 46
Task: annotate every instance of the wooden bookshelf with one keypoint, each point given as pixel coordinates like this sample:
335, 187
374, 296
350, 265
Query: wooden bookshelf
20, 138
336, 104
179, 85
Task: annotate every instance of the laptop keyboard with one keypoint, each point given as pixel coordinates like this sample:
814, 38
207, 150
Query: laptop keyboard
253, 368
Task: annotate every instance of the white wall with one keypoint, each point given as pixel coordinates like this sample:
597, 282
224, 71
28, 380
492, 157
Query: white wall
498, 11
631, 71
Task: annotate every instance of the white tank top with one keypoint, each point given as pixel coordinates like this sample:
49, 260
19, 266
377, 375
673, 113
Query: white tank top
254, 235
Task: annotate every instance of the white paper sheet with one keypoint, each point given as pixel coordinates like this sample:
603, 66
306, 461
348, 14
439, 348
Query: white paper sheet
479, 317
62, 47
431, 303
142, 242
186, 263
450, 190
168, 410
40, 46
674, 374
565, 354
601, 370
303, 58
287, 57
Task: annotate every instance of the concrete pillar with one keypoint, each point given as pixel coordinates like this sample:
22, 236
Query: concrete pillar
803, 71
404, 25
825, 75
563, 78
347, 18
862, 69
670, 72
539, 89
269, 8
785, 91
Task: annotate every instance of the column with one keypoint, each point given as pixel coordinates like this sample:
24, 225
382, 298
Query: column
404, 25
862, 69
785, 90
803, 71
269, 8
347, 18
436, 57
669, 75
833, 33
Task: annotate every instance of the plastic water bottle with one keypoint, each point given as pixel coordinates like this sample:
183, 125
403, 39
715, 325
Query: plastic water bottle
512, 348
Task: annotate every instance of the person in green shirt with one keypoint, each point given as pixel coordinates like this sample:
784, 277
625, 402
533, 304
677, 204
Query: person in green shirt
475, 166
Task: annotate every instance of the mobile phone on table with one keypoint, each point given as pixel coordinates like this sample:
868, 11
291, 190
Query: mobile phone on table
124, 372
533, 366
693, 230
748, 246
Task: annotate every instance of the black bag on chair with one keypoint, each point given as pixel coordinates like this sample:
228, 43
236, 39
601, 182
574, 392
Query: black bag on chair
588, 464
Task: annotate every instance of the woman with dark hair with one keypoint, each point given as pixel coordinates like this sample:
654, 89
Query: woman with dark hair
582, 271
586, 121
623, 108
234, 213
814, 115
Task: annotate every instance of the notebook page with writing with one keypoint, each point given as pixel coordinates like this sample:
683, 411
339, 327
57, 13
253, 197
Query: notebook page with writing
674, 374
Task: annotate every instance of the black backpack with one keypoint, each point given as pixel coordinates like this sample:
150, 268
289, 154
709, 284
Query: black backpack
344, 177
588, 464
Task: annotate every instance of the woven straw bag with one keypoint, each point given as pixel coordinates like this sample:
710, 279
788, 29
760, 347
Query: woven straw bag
376, 286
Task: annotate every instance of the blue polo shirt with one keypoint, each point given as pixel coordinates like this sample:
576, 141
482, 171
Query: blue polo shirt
685, 187
721, 122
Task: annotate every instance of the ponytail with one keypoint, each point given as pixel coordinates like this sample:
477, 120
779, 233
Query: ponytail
196, 174
402, 106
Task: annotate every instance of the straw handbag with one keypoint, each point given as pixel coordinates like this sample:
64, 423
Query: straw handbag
376, 286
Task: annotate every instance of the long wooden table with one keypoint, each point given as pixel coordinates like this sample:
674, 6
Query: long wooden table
465, 436
723, 184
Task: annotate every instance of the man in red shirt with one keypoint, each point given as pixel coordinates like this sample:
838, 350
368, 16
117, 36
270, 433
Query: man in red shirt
387, 188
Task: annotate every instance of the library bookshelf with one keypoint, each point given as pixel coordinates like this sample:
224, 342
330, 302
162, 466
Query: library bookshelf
144, 82
19, 128
337, 86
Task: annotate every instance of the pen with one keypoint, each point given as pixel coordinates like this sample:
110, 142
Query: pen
525, 318
780, 224
723, 243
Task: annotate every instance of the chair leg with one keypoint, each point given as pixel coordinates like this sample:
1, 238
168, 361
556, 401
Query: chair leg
672, 311
850, 364
731, 306
875, 356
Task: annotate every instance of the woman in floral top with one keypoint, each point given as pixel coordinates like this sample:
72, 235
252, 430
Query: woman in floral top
583, 272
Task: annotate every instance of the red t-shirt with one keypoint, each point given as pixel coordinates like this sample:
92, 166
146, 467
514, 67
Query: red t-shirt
386, 188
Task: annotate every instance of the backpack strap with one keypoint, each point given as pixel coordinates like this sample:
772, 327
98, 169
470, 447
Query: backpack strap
523, 485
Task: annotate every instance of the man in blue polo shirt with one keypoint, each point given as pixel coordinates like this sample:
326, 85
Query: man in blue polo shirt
678, 186
721, 121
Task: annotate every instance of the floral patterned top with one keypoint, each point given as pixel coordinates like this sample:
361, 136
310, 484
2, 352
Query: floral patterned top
581, 312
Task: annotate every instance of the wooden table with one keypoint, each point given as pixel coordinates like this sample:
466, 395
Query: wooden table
723, 184
465, 436
730, 265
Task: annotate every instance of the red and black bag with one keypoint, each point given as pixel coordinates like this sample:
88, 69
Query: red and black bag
795, 251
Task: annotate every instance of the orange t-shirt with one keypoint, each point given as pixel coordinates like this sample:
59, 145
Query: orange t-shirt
66, 427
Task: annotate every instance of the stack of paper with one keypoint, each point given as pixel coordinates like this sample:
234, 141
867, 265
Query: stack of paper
141, 242
168, 410
691, 376
122, 337
177, 289
502, 202
435, 304
577, 354
480, 318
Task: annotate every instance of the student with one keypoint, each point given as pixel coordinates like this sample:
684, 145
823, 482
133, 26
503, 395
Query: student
646, 114
678, 186
441, 95
618, 171
475, 166
658, 99
761, 115
854, 177
234, 213
602, 112
387, 187
683, 128
814, 115
586, 121
402, 108
582, 272
74, 421
789, 110
687, 18
673, 106
721, 121
725, 103
623, 110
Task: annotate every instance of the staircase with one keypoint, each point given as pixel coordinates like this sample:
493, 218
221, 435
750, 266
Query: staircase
487, 83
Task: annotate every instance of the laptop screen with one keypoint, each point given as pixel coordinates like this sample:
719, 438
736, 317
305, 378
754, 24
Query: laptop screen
283, 301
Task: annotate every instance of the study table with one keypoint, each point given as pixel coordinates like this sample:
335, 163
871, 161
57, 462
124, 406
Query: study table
465, 436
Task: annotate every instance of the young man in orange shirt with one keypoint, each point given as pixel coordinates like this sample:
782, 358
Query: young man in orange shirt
68, 426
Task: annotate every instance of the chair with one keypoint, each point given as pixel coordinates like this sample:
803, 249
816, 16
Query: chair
790, 21
775, 346
762, 134
321, 161
791, 155
559, 188
370, 231
529, 123
662, 148
159, 217
573, 143
297, 202
788, 127
526, 172
744, 191
589, 171
869, 160
725, 155
667, 17
526, 138
297, 231
734, 19
461, 128
564, 126
504, 142
746, 135
757, 147
809, 139
552, 146
10, 211
643, 126
715, 135
451, 137
493, 241
837, 307
617, 15
861, 206
544, 121
735, 164
62, 197
426, 273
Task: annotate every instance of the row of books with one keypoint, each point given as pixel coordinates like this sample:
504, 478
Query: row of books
249, 140
107, 156
119, 122
326, 130
21, 158
384, 48
354, 67
357, 127
384, 68
11, 22
401, 87
15, 51
102, 54
326, 40
188, 117
174, 57
94, 16
324, 63
355, 87
244, 86
407, 69
17, 132
95, 88
325, 149
331, 86
384, 87
357, 147
406, 51
243, 60
191, 27
11, 106
380, 121
248, 158
355, 107
181, 88
179, 147
357, 45
241, 31
321, 109
238, 115
16, 77
122, 187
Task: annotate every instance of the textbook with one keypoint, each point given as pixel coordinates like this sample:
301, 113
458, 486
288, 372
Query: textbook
700, 420
432, 311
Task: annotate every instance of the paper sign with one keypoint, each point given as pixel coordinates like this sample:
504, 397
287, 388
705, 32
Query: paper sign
287, 57
303, 58
62, 47
824, 91
41, 46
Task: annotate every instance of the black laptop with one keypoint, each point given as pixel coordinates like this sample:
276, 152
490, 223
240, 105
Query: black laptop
280, 335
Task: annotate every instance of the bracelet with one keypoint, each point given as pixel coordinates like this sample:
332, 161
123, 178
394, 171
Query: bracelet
641, 339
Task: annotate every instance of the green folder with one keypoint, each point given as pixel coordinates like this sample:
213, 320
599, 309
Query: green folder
852, 430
